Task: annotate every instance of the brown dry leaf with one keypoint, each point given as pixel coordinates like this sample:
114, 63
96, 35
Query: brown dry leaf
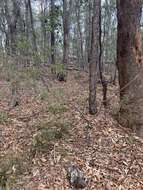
109, 155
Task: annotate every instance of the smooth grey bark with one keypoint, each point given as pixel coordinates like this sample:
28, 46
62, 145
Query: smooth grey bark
80, 36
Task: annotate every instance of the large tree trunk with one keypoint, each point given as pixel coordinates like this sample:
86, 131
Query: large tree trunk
129, 62
94, 59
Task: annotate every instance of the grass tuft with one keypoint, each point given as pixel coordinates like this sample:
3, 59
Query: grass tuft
49, 133
3, 118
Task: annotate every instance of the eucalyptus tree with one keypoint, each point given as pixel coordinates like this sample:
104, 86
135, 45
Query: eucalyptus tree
130, 63
95, 52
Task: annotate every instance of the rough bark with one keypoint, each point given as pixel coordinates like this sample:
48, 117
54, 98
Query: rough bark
100, 66
129, 62
80, 35
52, 32
94, 56
88, 28
34, 43
66, 32
43, 20
12, 14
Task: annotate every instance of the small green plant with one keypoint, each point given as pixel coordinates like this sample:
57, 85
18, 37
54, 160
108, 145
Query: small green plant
125, 100
44, 95
22, 43
10, 168
3, 118
48, 133
59, 92
88, 126
9, 72
44, 139
34, 73
57, 96
58, 68
78, 76
57, 109
62, 129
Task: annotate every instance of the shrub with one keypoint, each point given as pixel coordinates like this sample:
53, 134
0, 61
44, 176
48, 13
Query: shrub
78, 75
44, 95
3, 118
10, 167
48, 133
58, 68
57, 109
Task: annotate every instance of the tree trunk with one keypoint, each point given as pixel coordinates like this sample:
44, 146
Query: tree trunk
88, 26
34, 43
129, 62
62, 75
52, 31
66, 32
11, 17
80, 35
43, 29
94, 59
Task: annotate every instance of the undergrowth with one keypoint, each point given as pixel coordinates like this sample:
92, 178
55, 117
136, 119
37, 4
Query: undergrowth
48, 133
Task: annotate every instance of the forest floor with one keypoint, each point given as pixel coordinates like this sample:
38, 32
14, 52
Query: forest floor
51, 129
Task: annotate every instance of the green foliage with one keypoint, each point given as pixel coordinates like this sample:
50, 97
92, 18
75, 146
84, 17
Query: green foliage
44, 95
78, 75
3, 118
57, 109
125, 100
59, 93
58, 68
44, 53
53, 20
88, 126
22, 43
33, 72
9, 72
10, 167
36, 57
48, 133
55, 99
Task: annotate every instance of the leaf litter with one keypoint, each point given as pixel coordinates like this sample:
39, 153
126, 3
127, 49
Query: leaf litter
110, 156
